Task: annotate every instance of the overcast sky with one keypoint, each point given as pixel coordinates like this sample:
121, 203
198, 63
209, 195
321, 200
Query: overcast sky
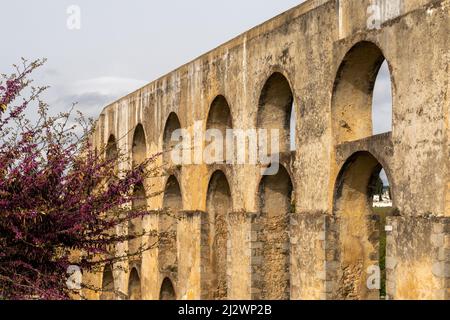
122, 45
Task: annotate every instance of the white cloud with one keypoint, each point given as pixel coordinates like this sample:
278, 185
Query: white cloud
108, 85
92, 95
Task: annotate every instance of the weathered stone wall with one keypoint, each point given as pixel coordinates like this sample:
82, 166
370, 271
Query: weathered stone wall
274, 252
315, 47
413, 246
309, 254
241, 251
150, 267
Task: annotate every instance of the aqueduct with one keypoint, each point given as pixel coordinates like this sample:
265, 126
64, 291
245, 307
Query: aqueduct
307, 232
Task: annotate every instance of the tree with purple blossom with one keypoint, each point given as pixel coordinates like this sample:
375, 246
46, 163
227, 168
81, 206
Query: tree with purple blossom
60, 198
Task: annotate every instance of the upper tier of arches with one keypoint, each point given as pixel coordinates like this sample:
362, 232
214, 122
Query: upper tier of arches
279, 106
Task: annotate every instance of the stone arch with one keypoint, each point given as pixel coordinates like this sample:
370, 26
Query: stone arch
358, 226
135, 226
167, 291
353, 91
112, 154
172, 194
218, 204
134, 285
139, 147
112, 151
275, 109
172, 204
275, 195
172, 124
219, 118
107, 284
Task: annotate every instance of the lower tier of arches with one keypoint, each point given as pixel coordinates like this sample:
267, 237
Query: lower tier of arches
319, 267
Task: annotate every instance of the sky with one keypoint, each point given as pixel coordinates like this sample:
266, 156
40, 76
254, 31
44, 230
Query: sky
123, 45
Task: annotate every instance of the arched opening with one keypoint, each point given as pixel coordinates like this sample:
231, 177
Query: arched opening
218, 205
275, 200
172, 204
361, 216
112, 154
172, 124
219, 118
134, 286
353, 94
167, 291
382, 206
135, 228
107, 284
382, 101
111, 149
275, 110
139, 149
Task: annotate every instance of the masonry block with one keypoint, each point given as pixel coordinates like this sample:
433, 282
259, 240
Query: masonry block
417, 261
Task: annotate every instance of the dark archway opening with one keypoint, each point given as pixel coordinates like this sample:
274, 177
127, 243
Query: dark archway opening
112, 155
218, 204
167, 291
219, 118
139, 148
276, 194
135, 226
362, 239
275, 111
108, 292
111, 149
169, 144
134, 286
172, 204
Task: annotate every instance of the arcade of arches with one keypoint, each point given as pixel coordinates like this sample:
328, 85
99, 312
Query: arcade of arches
359, 206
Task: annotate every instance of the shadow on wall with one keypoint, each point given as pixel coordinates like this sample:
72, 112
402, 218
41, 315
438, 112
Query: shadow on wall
218, 205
